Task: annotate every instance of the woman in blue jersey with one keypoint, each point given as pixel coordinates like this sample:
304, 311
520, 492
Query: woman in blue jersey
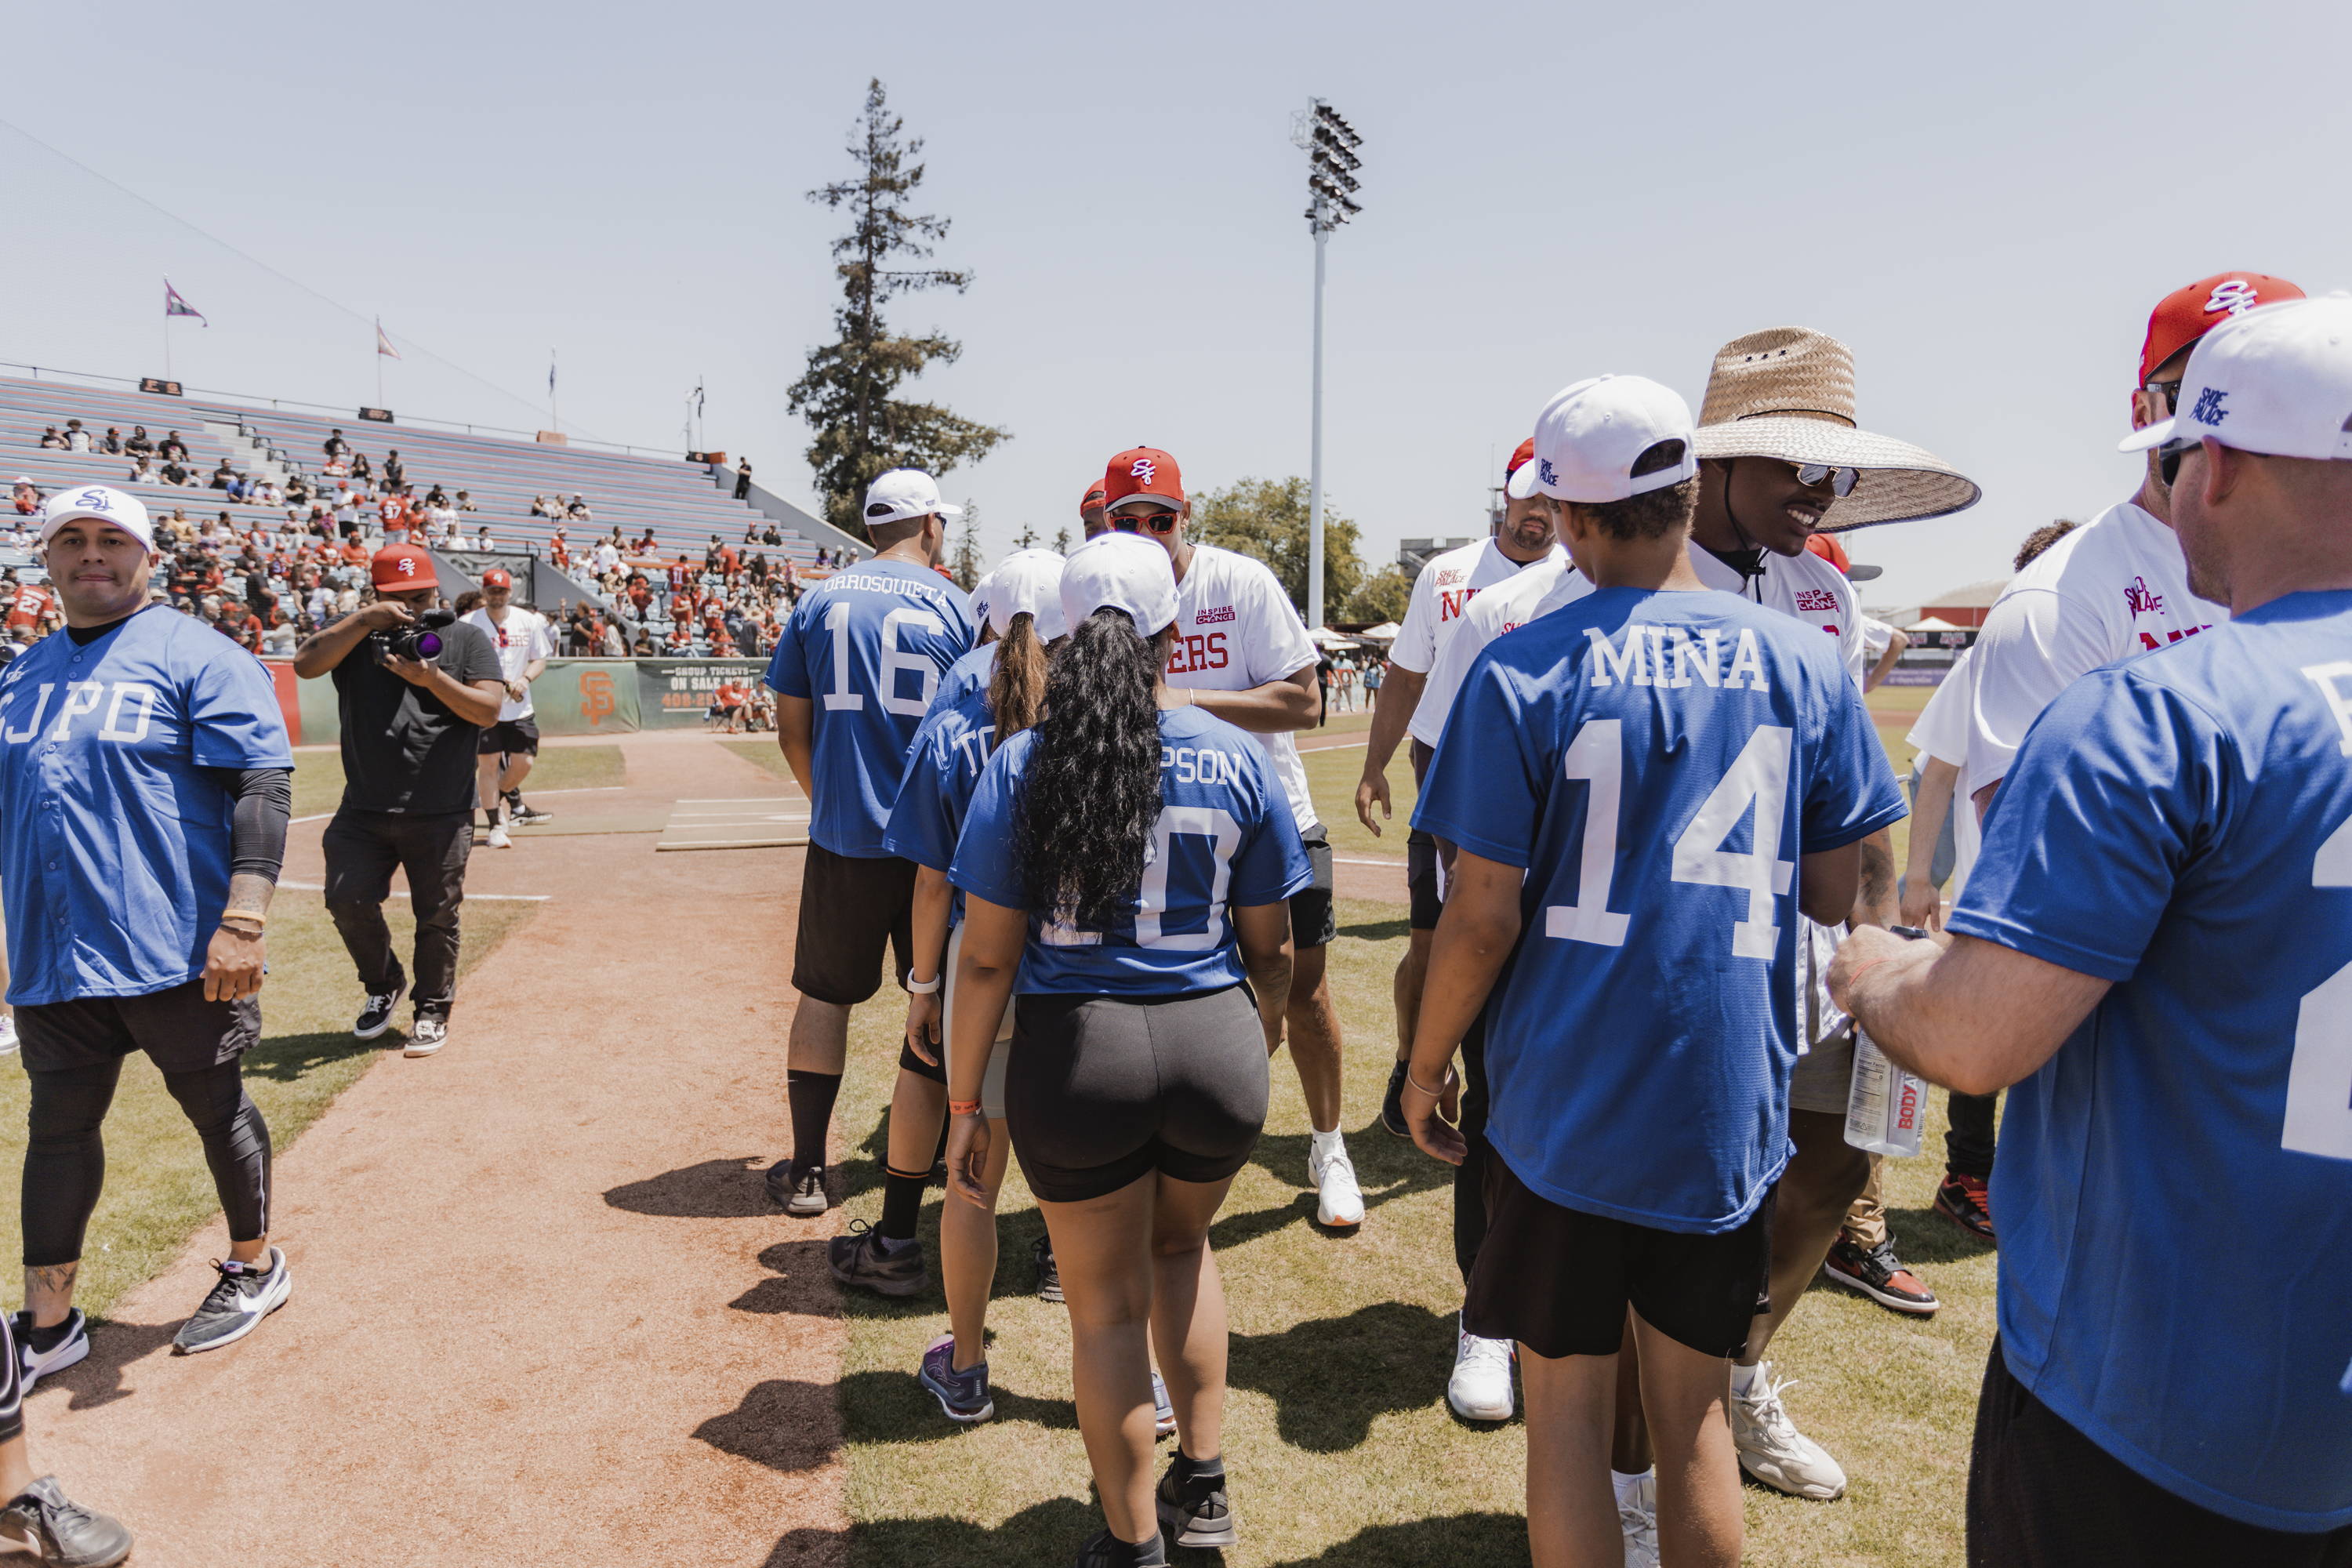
989, 696
1129, 859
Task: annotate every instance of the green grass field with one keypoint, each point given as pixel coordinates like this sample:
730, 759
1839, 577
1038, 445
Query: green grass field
158, 1192
1340, 1447
319, 774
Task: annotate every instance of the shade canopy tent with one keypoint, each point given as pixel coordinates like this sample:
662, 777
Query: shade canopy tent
1934, 623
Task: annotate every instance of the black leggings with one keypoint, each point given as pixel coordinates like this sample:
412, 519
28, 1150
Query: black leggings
65, 1157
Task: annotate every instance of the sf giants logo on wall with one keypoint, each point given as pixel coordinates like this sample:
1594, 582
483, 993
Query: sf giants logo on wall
596, 700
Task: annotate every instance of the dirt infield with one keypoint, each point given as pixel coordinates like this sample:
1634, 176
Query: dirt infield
543, 1310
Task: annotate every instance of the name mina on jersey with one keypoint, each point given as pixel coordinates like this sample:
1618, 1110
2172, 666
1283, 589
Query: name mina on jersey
1236, 629
867, 647
2114, 587
1443, 594
1656, 764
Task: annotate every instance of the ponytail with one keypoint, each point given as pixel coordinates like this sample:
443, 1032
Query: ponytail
1016, 691
1092, 792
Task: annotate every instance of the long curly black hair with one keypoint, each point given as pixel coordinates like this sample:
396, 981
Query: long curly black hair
1092, 791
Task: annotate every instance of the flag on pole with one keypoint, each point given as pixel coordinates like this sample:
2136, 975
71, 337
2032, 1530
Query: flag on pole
383, 344
176, 306
551, 373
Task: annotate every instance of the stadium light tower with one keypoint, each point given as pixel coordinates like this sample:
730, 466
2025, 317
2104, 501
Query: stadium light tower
1329, 144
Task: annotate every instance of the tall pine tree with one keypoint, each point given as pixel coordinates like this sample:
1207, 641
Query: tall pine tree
847, 396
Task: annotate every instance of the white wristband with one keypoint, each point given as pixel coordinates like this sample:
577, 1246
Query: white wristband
921, 987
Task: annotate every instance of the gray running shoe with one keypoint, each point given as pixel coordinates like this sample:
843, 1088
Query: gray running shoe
1195, 1511
238, 1301
64, 1533
798, 1189
865, 1259
1049, 1273
65, 1344
963, 1395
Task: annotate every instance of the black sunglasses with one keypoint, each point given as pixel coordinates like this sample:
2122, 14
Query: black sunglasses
2171, 391
2168, 455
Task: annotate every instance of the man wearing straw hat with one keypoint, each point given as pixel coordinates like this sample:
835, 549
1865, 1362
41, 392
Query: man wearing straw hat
1782, 460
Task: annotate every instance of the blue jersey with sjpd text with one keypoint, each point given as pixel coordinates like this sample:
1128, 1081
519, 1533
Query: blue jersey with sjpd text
115, 857
943, 769
1226, 837
867, 647
2174, 1184
1656, 763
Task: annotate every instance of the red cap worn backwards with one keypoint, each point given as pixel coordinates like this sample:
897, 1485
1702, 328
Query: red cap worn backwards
401, 568
1093, 500
1143, 473
1520, 459
2185, 315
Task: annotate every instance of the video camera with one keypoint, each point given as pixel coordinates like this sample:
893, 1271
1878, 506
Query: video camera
416, 643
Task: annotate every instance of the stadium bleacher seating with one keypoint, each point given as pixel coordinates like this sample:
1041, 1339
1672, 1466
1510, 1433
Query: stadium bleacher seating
677, 499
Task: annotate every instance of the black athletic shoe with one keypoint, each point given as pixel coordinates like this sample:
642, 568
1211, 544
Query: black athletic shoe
239, 1300
523, 815
40, 1351
866, 1259
376, 1016
64, 1533
1878, 1274
797, 1189
1964, 1201
1104, 1550
1049, 1273
1194, 1511
1392, 1103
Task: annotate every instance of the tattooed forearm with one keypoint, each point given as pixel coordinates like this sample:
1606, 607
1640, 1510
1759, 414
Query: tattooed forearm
248, 894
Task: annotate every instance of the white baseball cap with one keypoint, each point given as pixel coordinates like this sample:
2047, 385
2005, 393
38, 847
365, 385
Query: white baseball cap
99, 503
980, 597
1028, 582
1590, 435
1119, 572
903, 493
2275, 380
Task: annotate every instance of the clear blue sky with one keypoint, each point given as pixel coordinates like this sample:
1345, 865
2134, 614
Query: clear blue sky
1983, 201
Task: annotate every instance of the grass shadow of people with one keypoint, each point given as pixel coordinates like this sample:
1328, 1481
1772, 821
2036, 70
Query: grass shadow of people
1398, 1356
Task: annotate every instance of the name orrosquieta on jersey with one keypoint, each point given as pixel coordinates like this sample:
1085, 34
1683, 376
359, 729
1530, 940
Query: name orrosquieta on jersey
1670, 657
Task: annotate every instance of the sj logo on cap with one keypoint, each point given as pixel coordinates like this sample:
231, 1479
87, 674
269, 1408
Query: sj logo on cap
95, 501
1144, 468
2208, 410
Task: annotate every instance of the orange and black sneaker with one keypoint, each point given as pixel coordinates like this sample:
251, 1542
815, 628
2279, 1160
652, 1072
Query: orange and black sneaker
1964, 1201
1878, 1274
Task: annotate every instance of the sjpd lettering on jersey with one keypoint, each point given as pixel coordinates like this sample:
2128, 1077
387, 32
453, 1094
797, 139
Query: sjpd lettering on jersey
85, 697
1668, 656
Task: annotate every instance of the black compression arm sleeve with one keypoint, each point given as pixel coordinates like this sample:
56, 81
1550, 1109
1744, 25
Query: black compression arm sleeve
265, 802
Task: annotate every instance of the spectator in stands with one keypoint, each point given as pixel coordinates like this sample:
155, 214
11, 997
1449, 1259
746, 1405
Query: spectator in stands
77, 438
173, 474
743, 478
465, 501
559, 551
335, 445
538, 507
27, 496
823, 559
358, 464
112, 443
578, 510
50, 441
172, 447
607, 557
278, 641
336, 468
224, 475
770, 535
395, 472
139, 441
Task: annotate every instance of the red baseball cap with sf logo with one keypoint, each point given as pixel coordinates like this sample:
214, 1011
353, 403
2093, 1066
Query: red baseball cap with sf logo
1143, 473
2187, 313
401, 568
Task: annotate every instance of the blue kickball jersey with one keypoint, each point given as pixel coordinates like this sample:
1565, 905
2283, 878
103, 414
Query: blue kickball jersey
967, 677
867, 646
1226, 837
1656, 763
2174, 1186
943, 769
116, 854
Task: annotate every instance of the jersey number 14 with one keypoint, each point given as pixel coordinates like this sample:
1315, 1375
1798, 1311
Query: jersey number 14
1755, 786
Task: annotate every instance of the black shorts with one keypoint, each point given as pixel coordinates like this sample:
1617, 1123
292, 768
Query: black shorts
1100, 1089
1313, 921
1558, 1281
851, 909
1420, 880
513, 737
178, 1029
2043, 1495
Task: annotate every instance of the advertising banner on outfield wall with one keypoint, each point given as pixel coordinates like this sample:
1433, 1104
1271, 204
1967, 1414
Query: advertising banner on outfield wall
673, 693
586, 697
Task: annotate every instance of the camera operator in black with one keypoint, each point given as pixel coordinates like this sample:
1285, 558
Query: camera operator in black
411, 719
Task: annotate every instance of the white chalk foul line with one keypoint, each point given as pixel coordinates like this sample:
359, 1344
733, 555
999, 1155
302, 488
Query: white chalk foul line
501, 898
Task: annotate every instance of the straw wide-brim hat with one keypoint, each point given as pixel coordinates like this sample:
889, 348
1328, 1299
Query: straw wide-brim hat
1788, 392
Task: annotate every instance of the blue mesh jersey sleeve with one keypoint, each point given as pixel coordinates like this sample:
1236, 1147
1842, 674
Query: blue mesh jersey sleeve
787, 668
1852, 791
234, 721
1483, 790
2114, 791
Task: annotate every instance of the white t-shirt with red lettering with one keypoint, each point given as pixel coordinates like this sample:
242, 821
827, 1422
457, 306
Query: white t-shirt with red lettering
1443, 594
1803, 585
1236, 630
1544, 586
2114, 587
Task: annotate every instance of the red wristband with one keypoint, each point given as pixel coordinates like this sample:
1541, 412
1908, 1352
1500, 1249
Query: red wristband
963, 1107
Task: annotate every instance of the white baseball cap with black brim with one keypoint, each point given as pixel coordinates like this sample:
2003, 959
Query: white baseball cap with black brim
1119, 572
2276, 381
903, 493
1590, 438
97, 503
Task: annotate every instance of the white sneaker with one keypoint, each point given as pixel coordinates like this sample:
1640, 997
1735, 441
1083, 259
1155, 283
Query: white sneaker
427, 1035
7, 1034
1637, 1516
1773, 1451
1480, 1388
1338, 1202
498, 839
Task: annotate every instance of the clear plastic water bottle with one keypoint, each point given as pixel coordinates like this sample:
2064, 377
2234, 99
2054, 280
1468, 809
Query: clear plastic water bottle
1886, 1107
